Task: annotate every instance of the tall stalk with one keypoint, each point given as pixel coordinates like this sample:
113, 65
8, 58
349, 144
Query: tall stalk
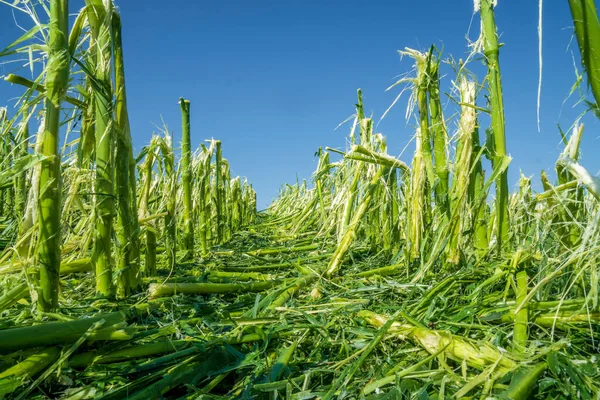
22, 140
477, 196
418, 201
170, 197
322, 174
225, 199
26, 242
87, 135
127, 225
57, 79
204, 197
422, 84
218, 192
100, 26
186, 178
461, 176
3, 151
150, 258
498, 153
440, 138
355, 168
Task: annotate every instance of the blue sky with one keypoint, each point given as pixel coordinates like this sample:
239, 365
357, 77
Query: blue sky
272, 79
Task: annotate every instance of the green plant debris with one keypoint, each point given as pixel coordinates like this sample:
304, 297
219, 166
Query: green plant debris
153, 275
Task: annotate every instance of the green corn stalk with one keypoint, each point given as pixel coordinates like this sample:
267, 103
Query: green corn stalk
127, 225
352, 193
57, 79
440, 137
250, 201
366, 126
19, 374
423, 63
467, 175
21, 183
394, 209
235, 205
32, 364
521, 318
96, 357
7, 159
13, 295
156, 290
477, 354
462, 168
524, 381
476, 191
210, 199
135, 242
244, 202
204, 197
3, 151
186, 178
360, 116
418, 200
99, 19
351, 230
322, 174
218, 192
147, 166
26, 244
571, 213
373, 226
481, 216
225, 197
498, 153
377, 219
87, 138
524, 214
587, 32
170, 196
51, 333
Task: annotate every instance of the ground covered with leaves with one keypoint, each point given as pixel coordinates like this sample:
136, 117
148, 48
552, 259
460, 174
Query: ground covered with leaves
259, 320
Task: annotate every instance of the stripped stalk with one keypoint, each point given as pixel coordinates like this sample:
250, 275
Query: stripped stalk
127, 226
57, 79
170, 289
99, 20
150, 257
350, 233
498, 152
218, 192
21, 184
418, 201
440, 137
186, 178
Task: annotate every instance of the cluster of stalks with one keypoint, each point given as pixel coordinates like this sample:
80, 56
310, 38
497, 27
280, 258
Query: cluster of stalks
91, 198
382, 277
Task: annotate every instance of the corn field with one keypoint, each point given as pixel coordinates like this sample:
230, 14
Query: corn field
153, 275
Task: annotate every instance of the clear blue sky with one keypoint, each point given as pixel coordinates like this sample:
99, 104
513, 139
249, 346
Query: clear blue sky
272, 79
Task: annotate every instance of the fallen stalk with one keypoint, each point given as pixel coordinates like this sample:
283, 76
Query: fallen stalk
156, 290
52, 333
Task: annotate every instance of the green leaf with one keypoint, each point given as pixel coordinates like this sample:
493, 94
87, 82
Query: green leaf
11, 49
20, 165
553, 363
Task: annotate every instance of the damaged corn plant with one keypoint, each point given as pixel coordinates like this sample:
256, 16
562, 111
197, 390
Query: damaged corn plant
151, 274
